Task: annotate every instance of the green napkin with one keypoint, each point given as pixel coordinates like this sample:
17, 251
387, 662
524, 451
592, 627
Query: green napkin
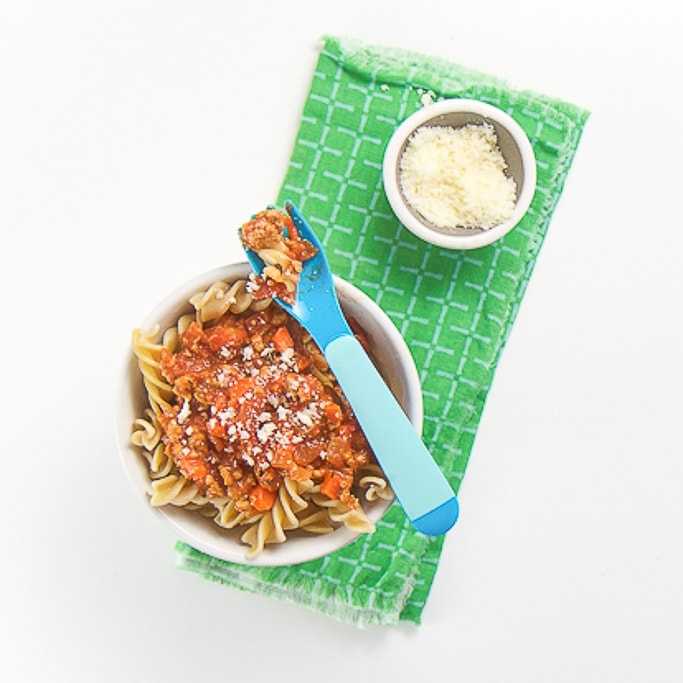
455, 309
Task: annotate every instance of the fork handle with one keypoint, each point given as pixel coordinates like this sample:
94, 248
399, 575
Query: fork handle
419, 485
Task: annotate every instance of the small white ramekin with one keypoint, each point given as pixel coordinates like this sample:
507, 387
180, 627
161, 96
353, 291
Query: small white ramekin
514, 145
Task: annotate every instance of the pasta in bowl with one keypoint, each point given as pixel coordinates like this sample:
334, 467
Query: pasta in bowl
294, 480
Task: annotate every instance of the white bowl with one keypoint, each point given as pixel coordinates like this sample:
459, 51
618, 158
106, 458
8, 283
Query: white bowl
394, 362
513, 144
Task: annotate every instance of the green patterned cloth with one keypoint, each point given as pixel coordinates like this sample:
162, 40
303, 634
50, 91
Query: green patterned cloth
455, 309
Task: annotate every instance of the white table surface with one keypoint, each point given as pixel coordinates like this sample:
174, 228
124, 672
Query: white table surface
128, 128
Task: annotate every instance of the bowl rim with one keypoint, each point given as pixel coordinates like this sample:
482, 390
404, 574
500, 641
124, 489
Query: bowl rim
419, 118
201, 533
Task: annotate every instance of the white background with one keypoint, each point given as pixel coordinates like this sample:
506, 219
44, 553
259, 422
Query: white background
134, 137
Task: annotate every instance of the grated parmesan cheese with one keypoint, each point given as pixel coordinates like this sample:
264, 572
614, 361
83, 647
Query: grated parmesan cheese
456, 177
184, 412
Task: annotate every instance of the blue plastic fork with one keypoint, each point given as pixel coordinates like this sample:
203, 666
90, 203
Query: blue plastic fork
418, 483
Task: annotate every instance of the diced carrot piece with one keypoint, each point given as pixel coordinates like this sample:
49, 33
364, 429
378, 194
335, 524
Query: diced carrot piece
333, 413
331, 485
193, 467
282, 339
282, 456
262, 499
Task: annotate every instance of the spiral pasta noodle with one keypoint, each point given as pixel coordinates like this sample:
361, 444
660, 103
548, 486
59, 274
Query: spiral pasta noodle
374, 484
148, 354
221, 298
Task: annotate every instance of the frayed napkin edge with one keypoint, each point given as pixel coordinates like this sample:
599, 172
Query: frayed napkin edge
362, 616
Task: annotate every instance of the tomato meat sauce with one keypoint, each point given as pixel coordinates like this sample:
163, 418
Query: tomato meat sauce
272, 232
256, 402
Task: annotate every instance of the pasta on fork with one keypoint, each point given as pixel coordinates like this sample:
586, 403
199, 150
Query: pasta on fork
273, 236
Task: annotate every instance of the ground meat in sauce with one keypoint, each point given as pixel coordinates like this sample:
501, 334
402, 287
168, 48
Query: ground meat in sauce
250, 411
274, 229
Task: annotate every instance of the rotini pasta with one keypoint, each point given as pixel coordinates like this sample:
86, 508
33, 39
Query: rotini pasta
174, 489
374, 484
148, 354
221, 298
259, 439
